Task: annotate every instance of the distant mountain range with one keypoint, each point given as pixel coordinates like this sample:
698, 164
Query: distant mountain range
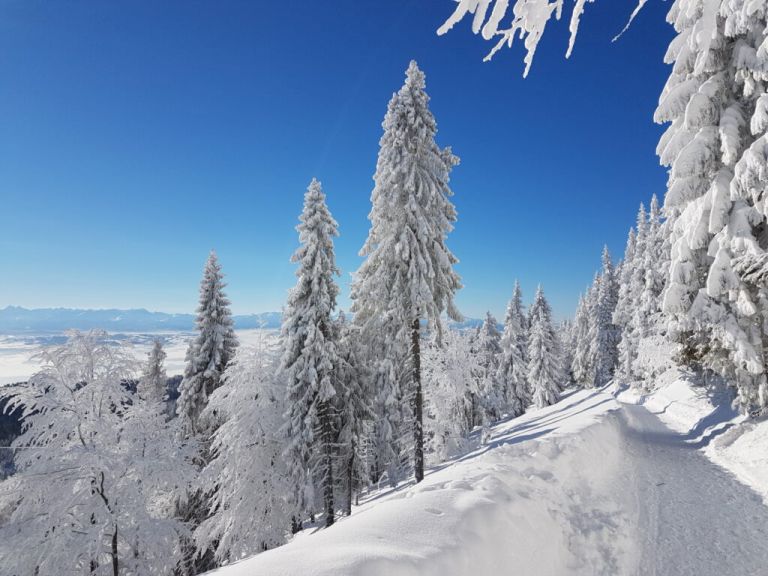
17, 320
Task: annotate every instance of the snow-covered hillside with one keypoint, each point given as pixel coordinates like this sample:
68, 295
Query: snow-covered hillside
511, 501
588, 486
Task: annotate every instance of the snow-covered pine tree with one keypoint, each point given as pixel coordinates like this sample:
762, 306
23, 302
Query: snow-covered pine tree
389, 435
152, 386
408, 275
310, 357
714, 146
512, 372
565, 331
208, 355
655, 266
210, 351
586, 325
544, 355
624, 307
247, 475
450, 390
488, 346
355, 413
76, 505
605, 335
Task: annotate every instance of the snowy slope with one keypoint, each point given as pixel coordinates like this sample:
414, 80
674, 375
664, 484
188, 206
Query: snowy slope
586, 487
536, 497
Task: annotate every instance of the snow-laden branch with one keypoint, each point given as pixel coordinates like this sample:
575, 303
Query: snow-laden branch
529, 20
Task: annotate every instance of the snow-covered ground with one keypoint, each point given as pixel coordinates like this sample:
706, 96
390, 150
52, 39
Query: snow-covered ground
18, 353
706, 420
589, 486
525, 500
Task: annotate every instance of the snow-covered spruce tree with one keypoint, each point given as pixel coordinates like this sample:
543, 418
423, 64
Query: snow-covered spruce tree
408, 275
152, 386
714, 103
605, 334
544, 356
210, 351
585, 326
450, 392
622, 315
390, 435
512, 366
655, 266
636, 280
78, 507
565, 331
207, 357
310, 358
488, 346
247, 476
355, 414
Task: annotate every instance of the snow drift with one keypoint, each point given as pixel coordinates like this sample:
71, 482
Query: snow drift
540, 498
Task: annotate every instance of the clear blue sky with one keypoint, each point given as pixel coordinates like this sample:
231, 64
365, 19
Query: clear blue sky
136, 136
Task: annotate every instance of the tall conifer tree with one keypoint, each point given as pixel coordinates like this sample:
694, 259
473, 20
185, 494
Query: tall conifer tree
310, 356
408, 275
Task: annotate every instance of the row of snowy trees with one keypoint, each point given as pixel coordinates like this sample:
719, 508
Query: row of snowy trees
622, 307
366, 400
270, 439
715, 299
474, 378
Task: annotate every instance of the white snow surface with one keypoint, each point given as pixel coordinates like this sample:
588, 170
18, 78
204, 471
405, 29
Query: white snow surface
702, 415
534, 497
707, 421
588, 486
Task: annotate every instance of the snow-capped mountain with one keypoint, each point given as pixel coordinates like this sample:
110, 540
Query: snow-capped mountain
15, 319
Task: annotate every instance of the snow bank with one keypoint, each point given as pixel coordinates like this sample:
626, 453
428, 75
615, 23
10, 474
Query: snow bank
705, 417
742, 450
538, 499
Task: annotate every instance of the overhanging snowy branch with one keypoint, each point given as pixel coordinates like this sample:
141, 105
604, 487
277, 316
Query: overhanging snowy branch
529, 20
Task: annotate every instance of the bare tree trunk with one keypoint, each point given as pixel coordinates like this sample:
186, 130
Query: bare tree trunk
348, 503
115, 567
418, 401
326, 425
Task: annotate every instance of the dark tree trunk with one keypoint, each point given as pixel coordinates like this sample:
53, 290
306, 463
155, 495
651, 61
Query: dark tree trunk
115, 567
348, 503
327, 438
418, 401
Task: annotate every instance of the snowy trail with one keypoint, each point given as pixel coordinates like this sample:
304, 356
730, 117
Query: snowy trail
693, 516
586, 487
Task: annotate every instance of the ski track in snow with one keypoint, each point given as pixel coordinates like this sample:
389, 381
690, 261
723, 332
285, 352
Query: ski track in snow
695, 517
586, 487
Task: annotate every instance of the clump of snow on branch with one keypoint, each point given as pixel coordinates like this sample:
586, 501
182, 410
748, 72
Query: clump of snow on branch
529, 19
